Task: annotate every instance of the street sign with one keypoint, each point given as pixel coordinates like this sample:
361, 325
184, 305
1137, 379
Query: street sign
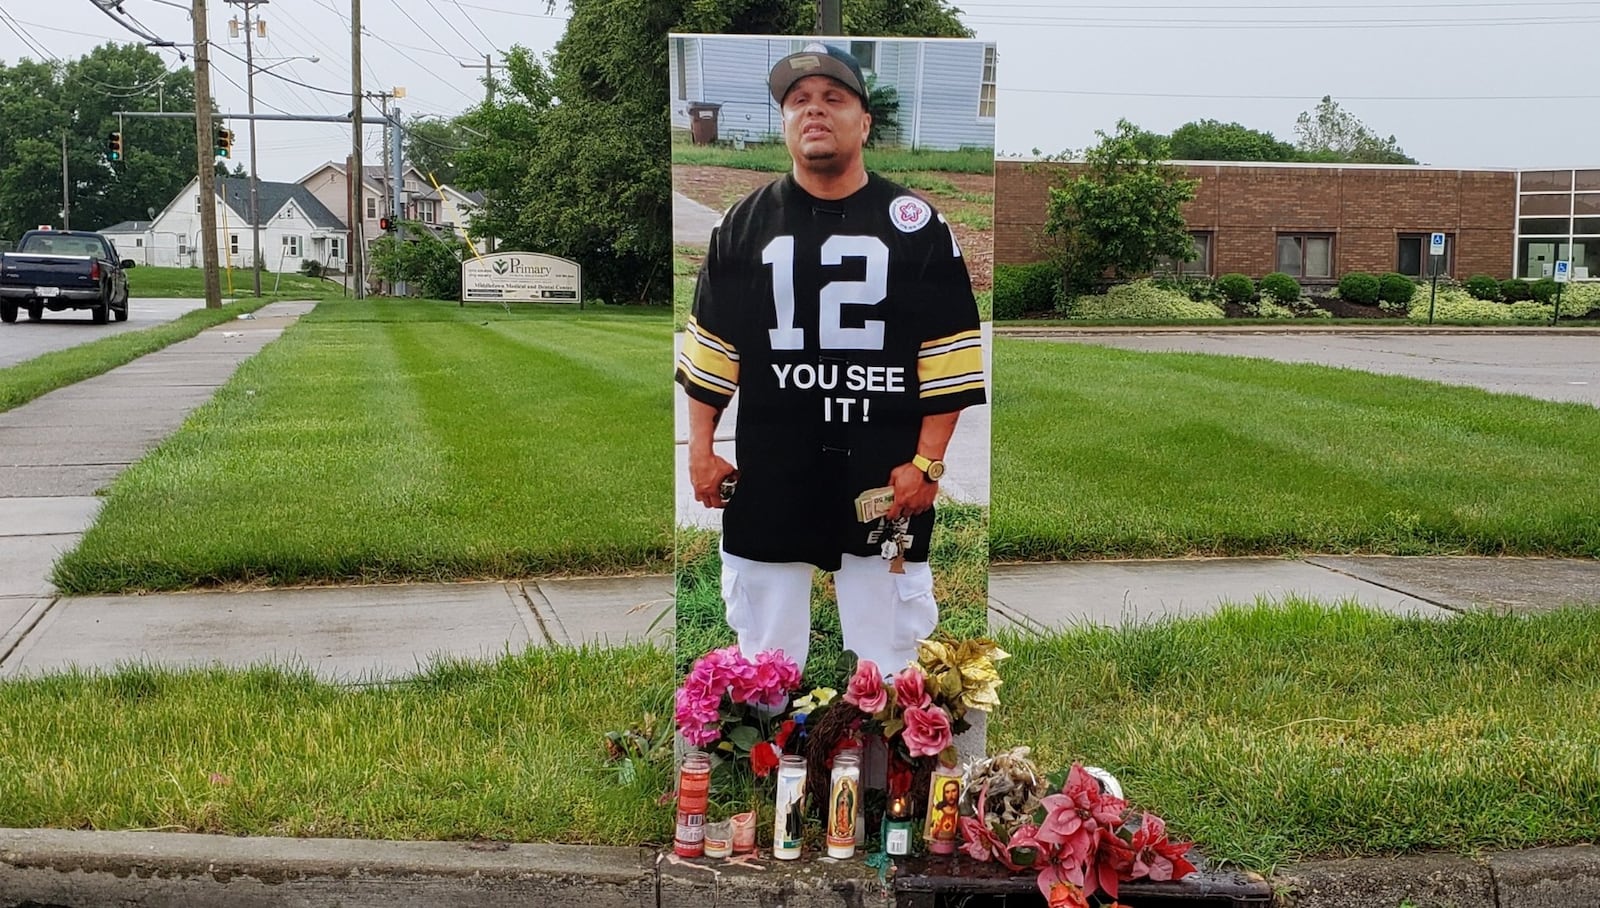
1436, 244
1563, 272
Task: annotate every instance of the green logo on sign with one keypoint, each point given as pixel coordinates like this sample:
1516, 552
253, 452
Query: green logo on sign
501, 266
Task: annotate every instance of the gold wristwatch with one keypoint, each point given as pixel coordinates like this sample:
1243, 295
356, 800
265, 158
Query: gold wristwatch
933, 469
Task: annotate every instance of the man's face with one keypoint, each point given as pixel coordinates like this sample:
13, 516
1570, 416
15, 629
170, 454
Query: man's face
824, 124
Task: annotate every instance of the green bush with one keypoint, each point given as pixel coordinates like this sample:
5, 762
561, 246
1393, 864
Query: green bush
1236, 288
1141, 299
1020, 289
1483, 287
1544, 289
1199, 289
1515, 290
1529, 310
1359, 287
1396, 289
1578, 300
1282, 286
1269, 307
1455, 304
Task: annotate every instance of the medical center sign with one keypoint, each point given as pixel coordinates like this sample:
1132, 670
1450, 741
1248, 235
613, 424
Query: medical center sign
521, 277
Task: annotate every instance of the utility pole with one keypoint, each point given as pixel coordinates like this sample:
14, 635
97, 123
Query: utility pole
205, 161
255, 176
828, 17
489, 66
357, 175
66, 194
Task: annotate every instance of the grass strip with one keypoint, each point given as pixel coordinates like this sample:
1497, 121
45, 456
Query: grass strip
958, 553
1271, 735
389, 441
57, 369
1110, 453
509, 750
774, 158
189, 283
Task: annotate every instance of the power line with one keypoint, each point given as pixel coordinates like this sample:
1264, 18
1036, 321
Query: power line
474, 23
426, 33
453, 28
1228, 97
1291, 25
28, 40
281, 76
518, 13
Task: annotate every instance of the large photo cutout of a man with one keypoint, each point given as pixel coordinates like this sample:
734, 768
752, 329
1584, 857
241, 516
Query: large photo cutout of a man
833, 412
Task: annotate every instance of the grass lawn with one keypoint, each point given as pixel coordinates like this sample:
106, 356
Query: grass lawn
773, 157
189, 283
1272, 735
510, 750
386, 440
57, 369
1110, 453
959, 555
1266, 735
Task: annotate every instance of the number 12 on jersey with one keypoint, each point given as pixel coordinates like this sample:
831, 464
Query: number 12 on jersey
834, 296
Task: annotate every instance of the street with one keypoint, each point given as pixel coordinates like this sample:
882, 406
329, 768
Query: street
25, 339
1551, 367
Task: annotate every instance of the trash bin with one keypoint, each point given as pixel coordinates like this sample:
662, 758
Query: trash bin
703, 122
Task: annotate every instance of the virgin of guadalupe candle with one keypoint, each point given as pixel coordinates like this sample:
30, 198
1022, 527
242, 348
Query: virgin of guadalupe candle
788, 824
844, 800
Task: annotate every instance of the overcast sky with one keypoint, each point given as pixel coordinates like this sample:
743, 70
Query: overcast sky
1461, 83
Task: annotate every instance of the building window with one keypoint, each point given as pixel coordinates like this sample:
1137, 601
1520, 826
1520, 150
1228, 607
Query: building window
1308, 256
986, 87
291, 247
427, 210
336, 248
138, 242
1413, 258
372, 208
866, 54
233, 244
1199, 266
183, 247
288, 214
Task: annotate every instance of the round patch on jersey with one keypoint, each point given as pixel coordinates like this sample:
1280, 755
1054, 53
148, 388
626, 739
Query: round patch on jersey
909, 213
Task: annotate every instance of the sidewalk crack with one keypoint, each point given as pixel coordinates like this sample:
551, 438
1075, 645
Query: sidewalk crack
538, 629
37, 615
1381, 585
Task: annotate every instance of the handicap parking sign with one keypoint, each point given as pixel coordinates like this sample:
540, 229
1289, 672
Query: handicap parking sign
1563, 272
1436, 244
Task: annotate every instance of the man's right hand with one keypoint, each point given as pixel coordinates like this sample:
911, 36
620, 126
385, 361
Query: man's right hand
706, 472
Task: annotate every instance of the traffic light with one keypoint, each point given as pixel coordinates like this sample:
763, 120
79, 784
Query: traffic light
114, 146
386, 223
224, 147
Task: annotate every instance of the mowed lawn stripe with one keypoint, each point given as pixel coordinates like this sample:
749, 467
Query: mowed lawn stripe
407, 441
1108, 453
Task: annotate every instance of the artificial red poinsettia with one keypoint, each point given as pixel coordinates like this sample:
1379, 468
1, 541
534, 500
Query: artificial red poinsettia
1066, 895
1113, 861
1074, 817
978, 840
1156, 857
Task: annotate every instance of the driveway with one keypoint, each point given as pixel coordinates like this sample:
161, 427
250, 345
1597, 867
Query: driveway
27, 339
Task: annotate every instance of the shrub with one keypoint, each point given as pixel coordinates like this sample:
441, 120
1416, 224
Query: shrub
1396, 289
1483, 287
1528, 310
1544, 289
1020, 289
311, 268
1269, 306
1515, 290
1455, 304
1141, 299
1236, 288
1359, 287
1199, 289
1578, 300
1282, 286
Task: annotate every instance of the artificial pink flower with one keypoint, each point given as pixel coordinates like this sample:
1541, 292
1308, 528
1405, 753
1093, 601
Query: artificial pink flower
910, 688
775, 677
866, 691
1156, 857
1027, 836
1113, 862
1073, 820
697, 720
927, 732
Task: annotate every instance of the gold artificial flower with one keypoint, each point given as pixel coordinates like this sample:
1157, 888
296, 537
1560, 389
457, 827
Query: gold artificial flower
963, 671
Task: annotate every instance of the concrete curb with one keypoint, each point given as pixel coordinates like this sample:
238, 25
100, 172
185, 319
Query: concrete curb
70, 868
1538, 878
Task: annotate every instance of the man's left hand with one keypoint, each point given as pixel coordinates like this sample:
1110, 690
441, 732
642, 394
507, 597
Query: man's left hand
913, 491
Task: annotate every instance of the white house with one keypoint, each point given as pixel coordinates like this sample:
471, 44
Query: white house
946, 86
131, 240
295, 226
443, 207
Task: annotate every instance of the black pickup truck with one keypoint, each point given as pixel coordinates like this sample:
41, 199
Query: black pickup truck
63, 269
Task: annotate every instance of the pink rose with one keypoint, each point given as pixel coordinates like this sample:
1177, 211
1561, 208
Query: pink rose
927, 731
866, 691
910, 688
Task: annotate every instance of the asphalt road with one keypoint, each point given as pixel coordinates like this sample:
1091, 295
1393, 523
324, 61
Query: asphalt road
26, 339
1552, 367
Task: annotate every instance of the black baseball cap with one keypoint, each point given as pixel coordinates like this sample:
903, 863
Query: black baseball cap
817, 60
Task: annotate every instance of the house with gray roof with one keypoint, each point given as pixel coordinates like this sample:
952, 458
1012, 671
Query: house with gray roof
295, 227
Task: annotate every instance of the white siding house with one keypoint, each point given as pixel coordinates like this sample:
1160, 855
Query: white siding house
945, 86
295, 226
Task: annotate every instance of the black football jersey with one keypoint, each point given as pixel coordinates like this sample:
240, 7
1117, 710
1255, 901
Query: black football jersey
840, 323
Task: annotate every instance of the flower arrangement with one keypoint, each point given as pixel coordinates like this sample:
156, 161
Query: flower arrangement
924, 705
734, 706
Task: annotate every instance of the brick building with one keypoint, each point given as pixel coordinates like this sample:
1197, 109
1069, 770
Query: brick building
1319, 222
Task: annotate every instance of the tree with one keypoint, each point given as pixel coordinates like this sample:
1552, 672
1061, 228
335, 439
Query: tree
1212, 140
1330, 133
1118, 212
433, 144
77, 98
575, 159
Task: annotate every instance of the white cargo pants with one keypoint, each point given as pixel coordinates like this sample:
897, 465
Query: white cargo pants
882, 614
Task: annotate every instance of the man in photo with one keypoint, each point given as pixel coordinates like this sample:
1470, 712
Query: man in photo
838, 306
